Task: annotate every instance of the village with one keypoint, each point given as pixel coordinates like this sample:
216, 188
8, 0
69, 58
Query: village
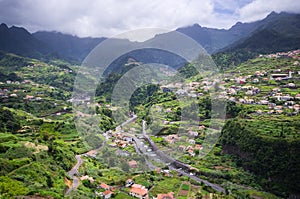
273, 90
269, 90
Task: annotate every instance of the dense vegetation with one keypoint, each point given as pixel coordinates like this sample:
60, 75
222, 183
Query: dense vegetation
276, 158
256, 152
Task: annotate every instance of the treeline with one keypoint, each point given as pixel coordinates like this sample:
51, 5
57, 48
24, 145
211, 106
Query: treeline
276, 160
232, 58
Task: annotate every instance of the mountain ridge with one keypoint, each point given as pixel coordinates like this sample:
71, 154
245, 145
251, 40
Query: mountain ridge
73, 48
19, 41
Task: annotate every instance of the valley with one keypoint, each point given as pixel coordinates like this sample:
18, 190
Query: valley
253, 98
237, 136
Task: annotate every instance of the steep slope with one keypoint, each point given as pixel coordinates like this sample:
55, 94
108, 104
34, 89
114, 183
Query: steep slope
70, 47
281, 32
20, 41
277, 32
214, 39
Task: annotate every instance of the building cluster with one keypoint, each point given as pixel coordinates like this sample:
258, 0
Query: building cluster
295, 54
135, 190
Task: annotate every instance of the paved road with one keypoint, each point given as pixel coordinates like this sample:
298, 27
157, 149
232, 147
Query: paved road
180, 169
214, 186
73, 173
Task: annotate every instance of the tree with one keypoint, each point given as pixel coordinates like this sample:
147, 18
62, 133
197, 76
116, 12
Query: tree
10, 188
124, 166
198, 195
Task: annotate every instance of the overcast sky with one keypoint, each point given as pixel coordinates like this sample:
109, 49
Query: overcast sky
110, 17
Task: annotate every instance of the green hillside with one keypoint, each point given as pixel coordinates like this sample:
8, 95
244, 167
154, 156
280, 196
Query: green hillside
256, 156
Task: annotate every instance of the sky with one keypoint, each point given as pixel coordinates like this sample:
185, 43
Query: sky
110, 17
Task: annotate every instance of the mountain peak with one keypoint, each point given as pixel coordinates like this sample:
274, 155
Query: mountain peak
238, 24
196, 25
3, 26
273, 14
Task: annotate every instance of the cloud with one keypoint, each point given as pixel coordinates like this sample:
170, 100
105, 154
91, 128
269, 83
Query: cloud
110, 17
105, 17
259, 9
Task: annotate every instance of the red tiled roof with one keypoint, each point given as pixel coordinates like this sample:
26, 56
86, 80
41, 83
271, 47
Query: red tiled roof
139, 191
165, 196
107, 192
132, 164
104, 186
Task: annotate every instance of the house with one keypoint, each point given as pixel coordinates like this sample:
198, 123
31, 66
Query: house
259, 111
291, 85
165, 122
191, 152
270, 112
132, 164
194, 84
255, 80
198, 147
297, 97
191, 141
233, 99
181, 148
128, 139
181, 92
104, 186
206, 83
193, 133
279, 111
129, 183
201, 127
250, 101
87, 178
264, 102
107, 194
138, 191
276, 90
241, 100
231, 91
278, 108
271, 105
165, 196
172, 138
289, 103
29, 97
277, 76
249, 92
242, 81
286, 98
158, 170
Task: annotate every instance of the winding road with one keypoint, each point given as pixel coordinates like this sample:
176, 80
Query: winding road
181, 167
74, 173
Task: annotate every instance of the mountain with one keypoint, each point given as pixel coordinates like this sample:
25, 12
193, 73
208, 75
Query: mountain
277, 32
43, 44
20, 41
70, 47
213, 39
